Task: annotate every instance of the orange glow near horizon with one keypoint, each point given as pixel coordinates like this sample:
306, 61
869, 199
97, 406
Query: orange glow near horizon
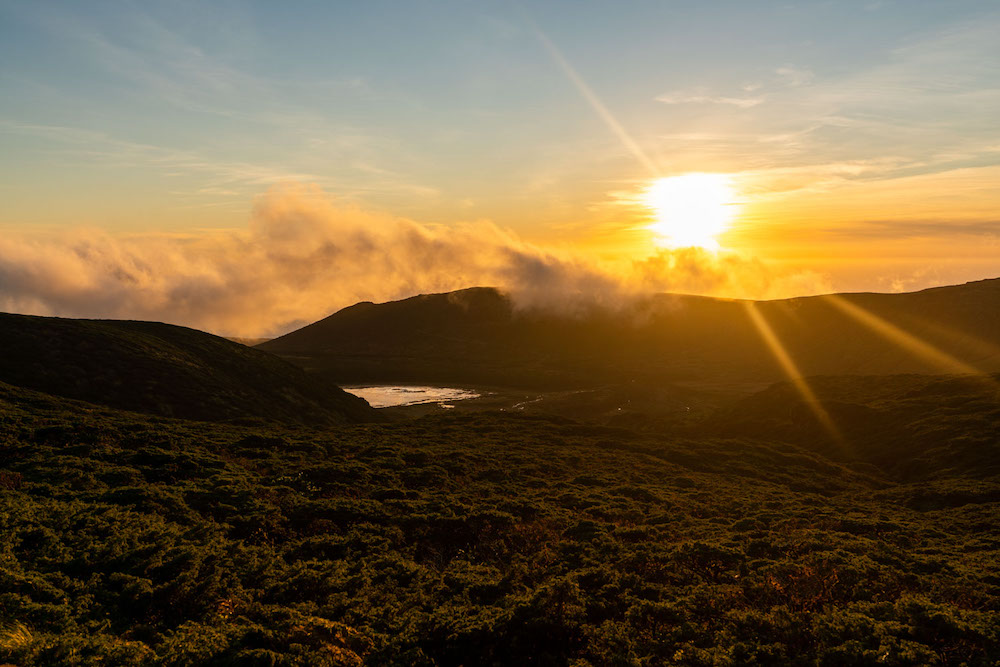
691, 210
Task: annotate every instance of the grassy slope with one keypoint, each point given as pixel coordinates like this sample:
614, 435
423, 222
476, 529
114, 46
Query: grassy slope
488, 539
166, 370
910, 426
477, 336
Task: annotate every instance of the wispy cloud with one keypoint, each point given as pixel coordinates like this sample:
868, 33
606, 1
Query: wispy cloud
930, 107
981, 230
162, 64
234, 125
218, 176
93, 144
786, 76
794, 76
702, 96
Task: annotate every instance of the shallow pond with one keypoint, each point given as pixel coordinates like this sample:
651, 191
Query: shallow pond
386, 396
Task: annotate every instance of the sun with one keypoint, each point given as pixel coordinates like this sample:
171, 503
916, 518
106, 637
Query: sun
691, 209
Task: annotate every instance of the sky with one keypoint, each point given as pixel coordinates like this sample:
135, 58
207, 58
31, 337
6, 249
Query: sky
184, 161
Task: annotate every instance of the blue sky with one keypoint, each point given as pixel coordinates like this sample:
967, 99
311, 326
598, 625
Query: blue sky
411, 105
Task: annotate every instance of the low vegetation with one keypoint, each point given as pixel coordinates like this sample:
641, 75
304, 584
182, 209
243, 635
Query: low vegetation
166, 370
496, 538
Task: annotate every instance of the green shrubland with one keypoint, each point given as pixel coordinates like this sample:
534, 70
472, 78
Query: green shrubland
491, 538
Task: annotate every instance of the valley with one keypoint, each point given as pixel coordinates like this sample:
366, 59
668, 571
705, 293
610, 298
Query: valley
170, 497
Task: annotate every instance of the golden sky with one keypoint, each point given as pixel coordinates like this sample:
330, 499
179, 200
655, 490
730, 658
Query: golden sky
857, 145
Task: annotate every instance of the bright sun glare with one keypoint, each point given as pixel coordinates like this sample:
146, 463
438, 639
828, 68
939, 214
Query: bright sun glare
691, 209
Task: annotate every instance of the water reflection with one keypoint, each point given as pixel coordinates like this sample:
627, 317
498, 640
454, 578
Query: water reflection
385, 396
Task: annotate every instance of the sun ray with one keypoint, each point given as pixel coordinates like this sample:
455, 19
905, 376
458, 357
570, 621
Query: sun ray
792, 371
919, 348
984, 350
594, 101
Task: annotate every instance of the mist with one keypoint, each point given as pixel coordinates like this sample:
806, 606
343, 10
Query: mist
304, 255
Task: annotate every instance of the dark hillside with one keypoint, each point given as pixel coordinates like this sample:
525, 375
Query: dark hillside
909, 426
165, 370
722, 526
478, 336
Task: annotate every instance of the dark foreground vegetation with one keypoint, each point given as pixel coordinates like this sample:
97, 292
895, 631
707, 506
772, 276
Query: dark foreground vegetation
499, 538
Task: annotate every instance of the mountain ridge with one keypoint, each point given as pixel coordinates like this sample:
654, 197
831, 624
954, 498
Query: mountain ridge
481, 335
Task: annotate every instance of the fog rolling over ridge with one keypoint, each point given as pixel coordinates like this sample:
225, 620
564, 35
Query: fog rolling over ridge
482, 335
304, 254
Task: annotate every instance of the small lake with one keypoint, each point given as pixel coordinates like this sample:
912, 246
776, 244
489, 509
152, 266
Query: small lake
387, 396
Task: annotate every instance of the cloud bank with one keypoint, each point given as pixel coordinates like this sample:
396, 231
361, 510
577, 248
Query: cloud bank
305, 255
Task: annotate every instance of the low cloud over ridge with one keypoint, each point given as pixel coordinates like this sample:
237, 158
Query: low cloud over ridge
305, 255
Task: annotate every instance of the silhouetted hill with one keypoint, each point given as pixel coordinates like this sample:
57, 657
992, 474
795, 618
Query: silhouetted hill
479, 335
249, 342
165, 370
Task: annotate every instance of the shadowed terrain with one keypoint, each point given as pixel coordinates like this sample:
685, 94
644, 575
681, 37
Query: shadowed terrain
911, 426
165, 370
479, 336
832, 520
497, 538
